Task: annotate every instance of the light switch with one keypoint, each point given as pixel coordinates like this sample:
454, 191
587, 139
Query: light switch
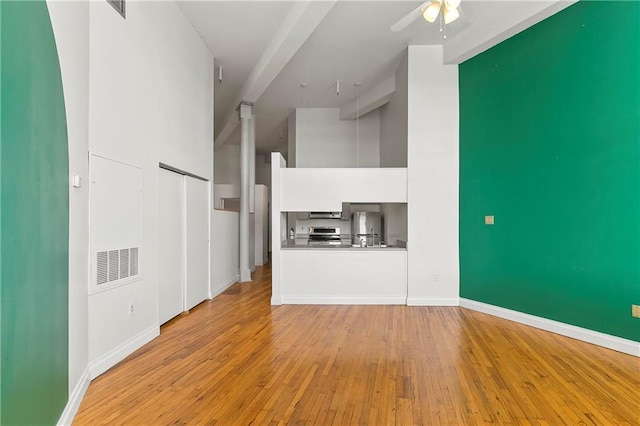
77, 181
488, 220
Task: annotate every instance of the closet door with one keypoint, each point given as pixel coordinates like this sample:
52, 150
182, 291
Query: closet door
171, 242
197, 274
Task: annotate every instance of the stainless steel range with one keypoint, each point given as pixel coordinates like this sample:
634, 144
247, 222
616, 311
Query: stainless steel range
324, 235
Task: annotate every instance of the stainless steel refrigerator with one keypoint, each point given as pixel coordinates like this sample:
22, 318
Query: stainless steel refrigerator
366, 228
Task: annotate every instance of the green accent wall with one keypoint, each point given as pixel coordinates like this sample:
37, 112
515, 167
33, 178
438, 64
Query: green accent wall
550, 145
34, 219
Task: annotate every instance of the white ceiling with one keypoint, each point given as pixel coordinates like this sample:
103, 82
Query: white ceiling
352, 43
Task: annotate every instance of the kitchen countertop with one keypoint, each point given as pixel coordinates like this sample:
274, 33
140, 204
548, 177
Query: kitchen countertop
299, 244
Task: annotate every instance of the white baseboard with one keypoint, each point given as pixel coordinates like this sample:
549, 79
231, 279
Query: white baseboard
605, 340
433, 301
119, 353
276, 302
343, 300
224, 285
75, 398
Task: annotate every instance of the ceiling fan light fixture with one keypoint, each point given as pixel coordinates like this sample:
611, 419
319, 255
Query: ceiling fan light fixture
431, 11
450, 15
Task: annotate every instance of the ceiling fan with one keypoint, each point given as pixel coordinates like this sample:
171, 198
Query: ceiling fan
431, 10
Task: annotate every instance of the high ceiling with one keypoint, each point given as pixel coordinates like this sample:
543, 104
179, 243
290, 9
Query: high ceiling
267, 49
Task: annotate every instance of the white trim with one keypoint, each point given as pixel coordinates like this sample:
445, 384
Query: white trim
276, 302
225, 285
605, 340
75, 398
343, 300
209, 239
119, 353
433, 301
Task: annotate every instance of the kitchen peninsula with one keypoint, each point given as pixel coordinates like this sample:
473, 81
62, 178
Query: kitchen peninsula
334, 274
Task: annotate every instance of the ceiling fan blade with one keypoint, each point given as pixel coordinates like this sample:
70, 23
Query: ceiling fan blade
409, 18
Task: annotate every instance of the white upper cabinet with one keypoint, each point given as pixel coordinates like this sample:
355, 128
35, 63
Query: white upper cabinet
326, 189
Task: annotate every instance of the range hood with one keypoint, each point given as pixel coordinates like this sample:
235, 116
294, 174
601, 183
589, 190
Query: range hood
325, 215
345, 214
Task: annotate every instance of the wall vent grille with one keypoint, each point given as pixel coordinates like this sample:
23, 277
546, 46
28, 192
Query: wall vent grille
102, 262
134, 261
114, 265
124, 263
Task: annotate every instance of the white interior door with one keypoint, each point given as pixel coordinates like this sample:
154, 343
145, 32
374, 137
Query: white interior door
171, 242
197, 273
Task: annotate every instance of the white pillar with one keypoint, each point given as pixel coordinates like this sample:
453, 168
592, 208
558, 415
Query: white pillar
252, 193
432, 209
245, 118
252, 164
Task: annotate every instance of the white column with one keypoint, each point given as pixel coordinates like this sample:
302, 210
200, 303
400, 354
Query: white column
252, 193
433, 267
245, 118
252, 164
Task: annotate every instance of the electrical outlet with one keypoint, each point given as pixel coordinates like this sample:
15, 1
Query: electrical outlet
435, 277
131, 308
489, 220
635, 311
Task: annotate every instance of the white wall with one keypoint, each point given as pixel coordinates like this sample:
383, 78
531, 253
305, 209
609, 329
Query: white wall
263, 170
393, 122
70, 21
278, 225
323, 140
151, 101
393, 150
432, 135
227, 170
225, 250
368, 140
227, 165
222, 191
291, 139
261, 229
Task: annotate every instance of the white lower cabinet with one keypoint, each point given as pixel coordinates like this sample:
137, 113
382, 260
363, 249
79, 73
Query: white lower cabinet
343, 276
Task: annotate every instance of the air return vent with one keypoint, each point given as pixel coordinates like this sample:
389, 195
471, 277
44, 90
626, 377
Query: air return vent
124, 263
102, 262
115, 265
134, 261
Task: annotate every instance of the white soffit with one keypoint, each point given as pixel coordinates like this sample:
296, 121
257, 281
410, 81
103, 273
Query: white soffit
506, 19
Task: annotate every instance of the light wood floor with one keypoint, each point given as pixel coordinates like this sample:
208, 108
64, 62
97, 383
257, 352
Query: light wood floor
236, 360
